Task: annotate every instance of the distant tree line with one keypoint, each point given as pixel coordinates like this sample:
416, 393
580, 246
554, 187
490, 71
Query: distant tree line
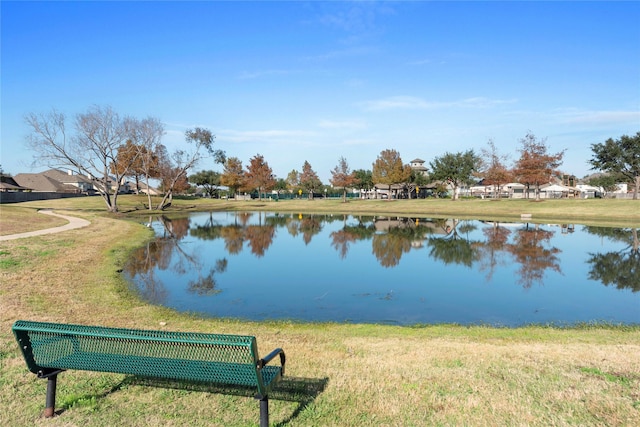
108, 148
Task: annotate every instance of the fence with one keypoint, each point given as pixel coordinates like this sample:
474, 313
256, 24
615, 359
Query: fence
30, 196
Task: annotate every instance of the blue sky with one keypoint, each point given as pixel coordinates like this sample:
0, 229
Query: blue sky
296, 81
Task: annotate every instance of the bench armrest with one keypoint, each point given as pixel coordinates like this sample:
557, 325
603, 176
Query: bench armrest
278, 351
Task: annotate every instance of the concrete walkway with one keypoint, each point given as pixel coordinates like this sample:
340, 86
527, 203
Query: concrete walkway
73, 224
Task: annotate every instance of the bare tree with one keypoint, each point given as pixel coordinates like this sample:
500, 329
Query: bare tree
176, 167
91, 149
148, 150
493, 168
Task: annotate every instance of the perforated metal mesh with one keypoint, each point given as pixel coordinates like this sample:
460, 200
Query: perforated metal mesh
229, 359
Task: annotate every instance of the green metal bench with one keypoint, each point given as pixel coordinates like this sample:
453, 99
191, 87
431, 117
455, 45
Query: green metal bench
51, 348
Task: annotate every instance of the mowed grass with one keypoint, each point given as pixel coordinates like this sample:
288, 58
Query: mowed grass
337, 375
620, 212
15, 219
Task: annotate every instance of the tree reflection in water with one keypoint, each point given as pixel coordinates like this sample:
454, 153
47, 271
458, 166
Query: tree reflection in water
343, 238
620, 268
491, 252
453, 247
158, 255
450, 241
534, 258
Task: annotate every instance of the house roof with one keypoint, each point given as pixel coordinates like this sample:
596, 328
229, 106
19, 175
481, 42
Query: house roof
556, 187
41, 182
7, 183
5, 186
66, 177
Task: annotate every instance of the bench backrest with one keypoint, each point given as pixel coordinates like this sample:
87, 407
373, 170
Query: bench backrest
218, 358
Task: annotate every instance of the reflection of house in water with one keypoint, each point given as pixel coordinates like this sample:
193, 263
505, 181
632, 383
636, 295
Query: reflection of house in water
422, 226
384, 224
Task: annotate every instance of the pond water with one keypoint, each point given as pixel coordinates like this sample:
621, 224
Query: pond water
392, 270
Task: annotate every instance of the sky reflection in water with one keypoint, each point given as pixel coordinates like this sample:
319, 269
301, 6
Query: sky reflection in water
405, 271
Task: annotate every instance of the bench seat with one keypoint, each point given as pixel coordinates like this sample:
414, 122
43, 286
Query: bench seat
51, 348
166, 368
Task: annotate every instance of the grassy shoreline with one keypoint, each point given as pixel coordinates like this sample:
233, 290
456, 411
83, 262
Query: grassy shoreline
620, 212
338, 374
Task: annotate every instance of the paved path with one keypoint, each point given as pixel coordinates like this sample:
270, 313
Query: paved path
73, 224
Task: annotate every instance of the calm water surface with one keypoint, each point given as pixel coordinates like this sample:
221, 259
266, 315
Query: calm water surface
342, 268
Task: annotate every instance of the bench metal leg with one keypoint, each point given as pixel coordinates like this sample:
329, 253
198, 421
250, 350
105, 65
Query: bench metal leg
50, 407
264, 412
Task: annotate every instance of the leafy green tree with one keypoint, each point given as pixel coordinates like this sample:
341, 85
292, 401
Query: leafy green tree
309, 180
388, 169
456, 169
208, 179
535, 165
607, 182
619, 157
342, 177
259, 175
365, 179
416, 180
281, 186
293, 181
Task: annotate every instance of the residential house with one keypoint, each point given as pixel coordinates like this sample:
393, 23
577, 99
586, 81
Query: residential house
83, 183
41, 183
8, 184
418, 166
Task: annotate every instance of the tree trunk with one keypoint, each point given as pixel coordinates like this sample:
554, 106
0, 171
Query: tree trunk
111, 204
148, 192
137, 185
166, 200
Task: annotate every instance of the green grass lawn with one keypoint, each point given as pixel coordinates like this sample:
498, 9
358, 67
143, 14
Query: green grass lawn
337, 374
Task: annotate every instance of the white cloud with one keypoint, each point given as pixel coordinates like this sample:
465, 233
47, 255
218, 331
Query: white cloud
248, 75
420, 62
480, 102
355, 83
343, 53
269, 136
600, 117
359, 141
415, 103
342, 124
396, 103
